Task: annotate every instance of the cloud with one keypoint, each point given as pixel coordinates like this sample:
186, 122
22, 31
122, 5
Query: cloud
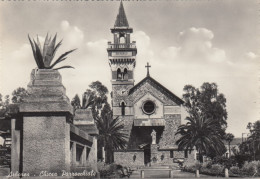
17, 65
195, 46
251, 55
73, 36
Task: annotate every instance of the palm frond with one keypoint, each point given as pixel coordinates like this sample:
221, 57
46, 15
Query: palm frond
45, 46
39, 44
38, 56
56, 48
56, 62
63, 67
61, 57
33, 49
50, 51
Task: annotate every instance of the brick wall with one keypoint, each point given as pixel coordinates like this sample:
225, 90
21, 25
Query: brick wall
168, 138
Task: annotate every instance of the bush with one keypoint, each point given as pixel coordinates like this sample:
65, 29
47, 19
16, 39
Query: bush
251, 168
235, 170
197, 166
108, 170
216, 169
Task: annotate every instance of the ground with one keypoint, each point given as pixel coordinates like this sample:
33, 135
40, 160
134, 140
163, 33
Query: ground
165, 174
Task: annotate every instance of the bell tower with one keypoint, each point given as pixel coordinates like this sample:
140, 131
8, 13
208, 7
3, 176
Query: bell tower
121, 55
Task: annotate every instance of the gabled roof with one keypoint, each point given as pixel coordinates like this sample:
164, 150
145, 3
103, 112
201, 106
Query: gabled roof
158, 86
121, 20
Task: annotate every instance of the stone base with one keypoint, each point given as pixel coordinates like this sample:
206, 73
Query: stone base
46, 145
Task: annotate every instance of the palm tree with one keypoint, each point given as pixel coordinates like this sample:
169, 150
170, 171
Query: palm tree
203, 133
229, 137
111, 134
44, 56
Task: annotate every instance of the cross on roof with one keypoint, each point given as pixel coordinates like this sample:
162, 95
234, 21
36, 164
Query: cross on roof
148, 66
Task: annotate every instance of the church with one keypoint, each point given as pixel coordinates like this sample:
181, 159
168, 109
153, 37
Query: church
150, 112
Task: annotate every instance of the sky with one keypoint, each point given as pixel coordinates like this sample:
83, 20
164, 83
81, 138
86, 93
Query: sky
185, 42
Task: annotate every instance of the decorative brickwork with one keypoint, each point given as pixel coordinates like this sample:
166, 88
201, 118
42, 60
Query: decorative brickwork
169, 138
120, 93
148, 88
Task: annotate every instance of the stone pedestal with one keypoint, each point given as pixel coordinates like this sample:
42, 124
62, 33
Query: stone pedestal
154, 155
45, 134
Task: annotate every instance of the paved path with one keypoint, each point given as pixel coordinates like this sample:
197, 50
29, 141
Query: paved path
165, 174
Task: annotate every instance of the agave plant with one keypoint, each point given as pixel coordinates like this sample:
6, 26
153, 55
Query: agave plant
44, 56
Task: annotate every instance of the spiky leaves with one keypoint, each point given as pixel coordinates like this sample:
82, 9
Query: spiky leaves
44, 57
205, 134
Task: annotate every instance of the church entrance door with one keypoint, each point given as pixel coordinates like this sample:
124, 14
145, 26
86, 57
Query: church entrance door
147, 157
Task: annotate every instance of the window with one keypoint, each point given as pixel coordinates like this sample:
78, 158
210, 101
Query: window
186, 154
125, 75
149, 107
122, 40
79, 150
171, 154
122, 108
119, 75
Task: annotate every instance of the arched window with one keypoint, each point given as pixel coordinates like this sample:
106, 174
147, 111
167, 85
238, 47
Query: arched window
119, 75
122, 40
125, 74
122, 108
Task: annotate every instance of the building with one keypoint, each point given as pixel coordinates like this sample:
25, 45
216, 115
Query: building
234, 146
150, 113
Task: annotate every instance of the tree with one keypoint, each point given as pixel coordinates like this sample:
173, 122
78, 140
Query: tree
229, 138
96, 96
18, 95
254, 139
110, 133
6, 107
206, 100
198, 132
75, 102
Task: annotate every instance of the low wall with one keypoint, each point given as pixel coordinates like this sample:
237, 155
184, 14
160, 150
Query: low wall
127, 158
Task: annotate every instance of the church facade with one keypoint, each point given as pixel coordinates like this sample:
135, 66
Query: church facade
150, 113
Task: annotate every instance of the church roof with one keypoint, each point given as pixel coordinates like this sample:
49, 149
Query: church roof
158, 86
121, 20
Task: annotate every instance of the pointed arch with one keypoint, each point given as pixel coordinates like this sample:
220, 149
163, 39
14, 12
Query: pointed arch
119, 74
123, 108
125, 74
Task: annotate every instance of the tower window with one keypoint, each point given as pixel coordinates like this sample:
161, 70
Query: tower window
171, 153
119, 74
122, 108
186, 154
122, 40
125, 74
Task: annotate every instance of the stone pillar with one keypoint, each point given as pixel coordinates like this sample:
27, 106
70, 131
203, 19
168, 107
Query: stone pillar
15, 147
84, 156
46, 132
74, 154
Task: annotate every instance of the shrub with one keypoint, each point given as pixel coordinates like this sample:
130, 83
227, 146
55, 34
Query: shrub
197, 166
258, 168
235, 170
205, 170
209, 164
250, 169
216, 169
108, 170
